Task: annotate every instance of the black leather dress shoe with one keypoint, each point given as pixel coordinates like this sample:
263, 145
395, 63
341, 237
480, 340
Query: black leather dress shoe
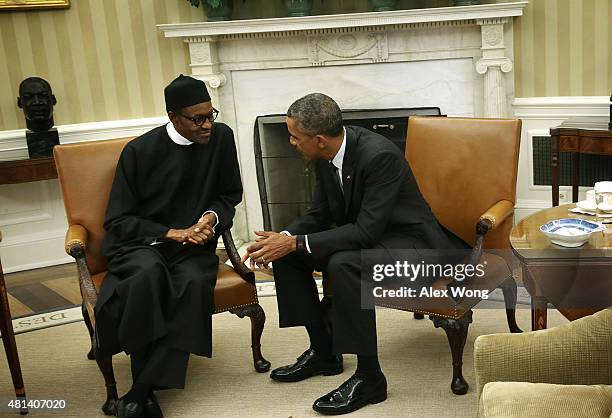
307, 365
129, 409
152, 408
353, 394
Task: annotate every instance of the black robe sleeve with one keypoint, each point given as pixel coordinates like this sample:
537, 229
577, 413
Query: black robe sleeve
230, 186
122, 221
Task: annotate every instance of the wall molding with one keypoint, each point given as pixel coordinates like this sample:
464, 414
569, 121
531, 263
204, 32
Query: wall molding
13, 143
560, 107
43, 212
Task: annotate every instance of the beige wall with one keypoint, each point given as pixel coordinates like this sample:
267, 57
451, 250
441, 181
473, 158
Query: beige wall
106, 60
564, 48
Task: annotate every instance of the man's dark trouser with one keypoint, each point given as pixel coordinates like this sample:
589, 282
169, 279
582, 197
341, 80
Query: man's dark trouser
160, 366
354, 328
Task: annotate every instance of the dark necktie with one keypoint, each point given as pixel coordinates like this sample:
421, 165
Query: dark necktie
337, 176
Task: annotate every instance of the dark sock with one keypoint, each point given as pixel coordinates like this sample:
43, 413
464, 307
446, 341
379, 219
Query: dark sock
138, 393
320, 340
368, 366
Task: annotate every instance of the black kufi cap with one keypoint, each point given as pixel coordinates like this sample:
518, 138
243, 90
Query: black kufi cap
185, 91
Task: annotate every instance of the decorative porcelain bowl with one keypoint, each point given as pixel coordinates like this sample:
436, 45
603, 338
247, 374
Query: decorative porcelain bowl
570, 232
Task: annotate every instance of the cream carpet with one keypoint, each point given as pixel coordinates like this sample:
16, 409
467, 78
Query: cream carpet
414, 355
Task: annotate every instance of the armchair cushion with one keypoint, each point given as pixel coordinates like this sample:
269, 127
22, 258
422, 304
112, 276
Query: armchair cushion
517, 399
574, 353
231, 290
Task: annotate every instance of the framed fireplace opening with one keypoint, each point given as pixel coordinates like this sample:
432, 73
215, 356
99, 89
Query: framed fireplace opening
286, 179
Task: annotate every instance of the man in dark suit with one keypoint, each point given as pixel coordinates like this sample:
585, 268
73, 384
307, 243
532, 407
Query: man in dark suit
366, 189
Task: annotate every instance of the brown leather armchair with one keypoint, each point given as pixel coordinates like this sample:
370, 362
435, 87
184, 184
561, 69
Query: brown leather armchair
466, 169
86, 171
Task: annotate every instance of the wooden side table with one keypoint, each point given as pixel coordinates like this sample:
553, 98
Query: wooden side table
24, 171
577, 281
12, 172
580, 135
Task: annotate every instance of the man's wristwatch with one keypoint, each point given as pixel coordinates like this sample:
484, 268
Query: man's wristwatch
300, 244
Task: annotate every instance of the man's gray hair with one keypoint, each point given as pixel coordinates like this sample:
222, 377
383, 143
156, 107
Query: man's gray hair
317, 114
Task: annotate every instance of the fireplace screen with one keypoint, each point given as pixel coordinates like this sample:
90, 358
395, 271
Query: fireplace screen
286, 180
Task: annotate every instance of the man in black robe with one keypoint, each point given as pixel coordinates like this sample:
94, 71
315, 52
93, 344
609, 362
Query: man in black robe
174, 193
366, 188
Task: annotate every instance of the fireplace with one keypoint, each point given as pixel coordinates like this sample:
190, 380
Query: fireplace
286, 179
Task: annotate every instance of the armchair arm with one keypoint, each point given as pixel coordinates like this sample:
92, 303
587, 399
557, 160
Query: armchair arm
498, 213
232, 252
76, 240
75, 244
491, 219
575, 353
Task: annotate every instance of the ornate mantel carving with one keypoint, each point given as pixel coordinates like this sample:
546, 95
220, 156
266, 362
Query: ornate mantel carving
217, 48
371, 47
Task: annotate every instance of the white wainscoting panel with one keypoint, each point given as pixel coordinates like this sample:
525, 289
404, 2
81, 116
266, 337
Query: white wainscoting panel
539, 114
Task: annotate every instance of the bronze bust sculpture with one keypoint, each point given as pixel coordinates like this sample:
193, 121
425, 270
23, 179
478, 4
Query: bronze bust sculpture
37, 100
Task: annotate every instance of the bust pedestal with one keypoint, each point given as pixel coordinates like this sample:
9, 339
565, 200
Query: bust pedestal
40, 144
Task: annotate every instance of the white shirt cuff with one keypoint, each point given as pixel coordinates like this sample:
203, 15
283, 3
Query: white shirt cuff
216, 217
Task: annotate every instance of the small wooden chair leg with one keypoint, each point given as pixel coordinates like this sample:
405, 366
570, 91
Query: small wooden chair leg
105, 363
258, 321
10, 346
456, 332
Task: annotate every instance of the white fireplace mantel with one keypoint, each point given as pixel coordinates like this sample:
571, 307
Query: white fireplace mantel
355, 38
337, 21
457, 58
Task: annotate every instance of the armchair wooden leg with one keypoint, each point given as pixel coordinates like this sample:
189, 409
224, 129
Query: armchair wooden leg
456, 331
105, 363
90, 354
258, 321
10, 346
509, 289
